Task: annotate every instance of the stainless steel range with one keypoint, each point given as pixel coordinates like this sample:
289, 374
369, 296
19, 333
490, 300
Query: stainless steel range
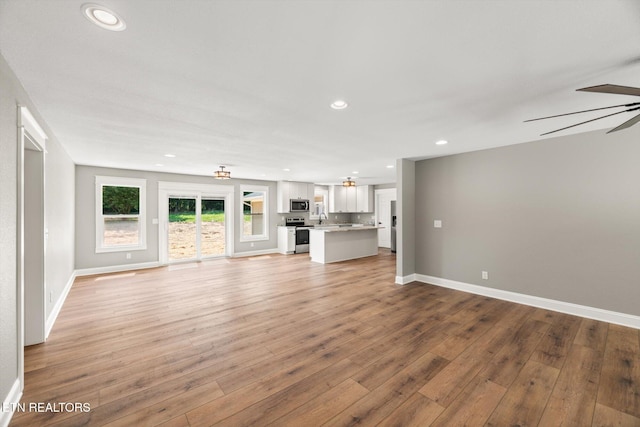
302, 233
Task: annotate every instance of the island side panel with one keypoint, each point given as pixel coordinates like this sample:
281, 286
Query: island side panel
342, 245
317, 245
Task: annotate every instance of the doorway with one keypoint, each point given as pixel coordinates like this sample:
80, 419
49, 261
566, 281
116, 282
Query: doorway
31, 239
34, 245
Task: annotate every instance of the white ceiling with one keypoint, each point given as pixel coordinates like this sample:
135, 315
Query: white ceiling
248, 83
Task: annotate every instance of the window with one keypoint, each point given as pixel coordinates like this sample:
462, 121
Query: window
319, 208
255, 213
120, 214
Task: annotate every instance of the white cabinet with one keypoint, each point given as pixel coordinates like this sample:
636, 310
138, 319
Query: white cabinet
301, 190
364, 198
336, 199
338, 196
286, 240
288, 190
351, 199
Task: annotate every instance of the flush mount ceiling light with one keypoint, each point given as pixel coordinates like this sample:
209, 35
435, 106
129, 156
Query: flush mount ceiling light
103, 17
222, 174
442, 142
349, 182
339, 104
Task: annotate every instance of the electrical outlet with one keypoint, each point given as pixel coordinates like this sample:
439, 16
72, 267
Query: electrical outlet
252, 244
128, 255
485, 275
437, 223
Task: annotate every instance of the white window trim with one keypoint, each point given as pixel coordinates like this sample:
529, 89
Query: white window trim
252, 188
117, 181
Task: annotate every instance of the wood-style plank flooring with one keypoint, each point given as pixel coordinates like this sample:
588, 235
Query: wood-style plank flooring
278, 340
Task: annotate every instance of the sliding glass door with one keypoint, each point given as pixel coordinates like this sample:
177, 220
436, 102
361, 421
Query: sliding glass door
196, 227
183, 229
212, 227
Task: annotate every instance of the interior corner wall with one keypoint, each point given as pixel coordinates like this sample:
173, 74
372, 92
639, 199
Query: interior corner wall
59, 202
557, 219
406, 214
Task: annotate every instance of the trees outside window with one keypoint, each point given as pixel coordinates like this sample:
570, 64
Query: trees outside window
120, 214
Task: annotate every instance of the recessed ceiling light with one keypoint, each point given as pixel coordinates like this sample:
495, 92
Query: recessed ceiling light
103, 17
442, 142
169, 155
159, 164
389, 166
355, 172
339, 104
286, 170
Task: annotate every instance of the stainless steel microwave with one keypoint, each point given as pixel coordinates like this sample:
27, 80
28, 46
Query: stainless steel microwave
298, 205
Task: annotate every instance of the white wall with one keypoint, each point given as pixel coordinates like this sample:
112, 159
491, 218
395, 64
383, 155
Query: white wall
10, 90
59, 196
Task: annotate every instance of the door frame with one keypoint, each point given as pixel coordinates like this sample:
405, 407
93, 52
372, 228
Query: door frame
30, 137
167, 190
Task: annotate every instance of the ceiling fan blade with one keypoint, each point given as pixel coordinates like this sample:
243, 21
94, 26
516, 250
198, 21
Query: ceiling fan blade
633, 104
592, 120
632, 121
615, 89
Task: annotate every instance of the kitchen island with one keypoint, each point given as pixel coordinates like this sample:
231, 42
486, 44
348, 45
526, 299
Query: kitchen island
333, 243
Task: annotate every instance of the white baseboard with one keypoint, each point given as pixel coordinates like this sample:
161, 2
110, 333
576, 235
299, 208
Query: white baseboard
255, 253
10, 402
56, 308
116, 268
549, 304
403, 280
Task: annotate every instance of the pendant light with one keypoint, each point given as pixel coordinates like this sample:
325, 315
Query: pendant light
349, 182
222, 174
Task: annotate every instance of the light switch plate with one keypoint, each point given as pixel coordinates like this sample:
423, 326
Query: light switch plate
437, 223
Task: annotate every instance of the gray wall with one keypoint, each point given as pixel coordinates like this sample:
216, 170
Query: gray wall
557, 219
59, 220
406, 214
85, 215
59, 196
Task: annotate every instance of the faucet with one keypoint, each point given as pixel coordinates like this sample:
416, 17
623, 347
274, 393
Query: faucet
320, 217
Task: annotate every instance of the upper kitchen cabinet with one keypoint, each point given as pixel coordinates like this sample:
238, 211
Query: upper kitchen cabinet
364, 198
351, 199
288, 190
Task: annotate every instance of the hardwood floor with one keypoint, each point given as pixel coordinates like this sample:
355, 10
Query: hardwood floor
278, 340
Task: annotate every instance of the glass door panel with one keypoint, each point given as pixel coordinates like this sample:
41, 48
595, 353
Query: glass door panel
182, 232
212, 229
